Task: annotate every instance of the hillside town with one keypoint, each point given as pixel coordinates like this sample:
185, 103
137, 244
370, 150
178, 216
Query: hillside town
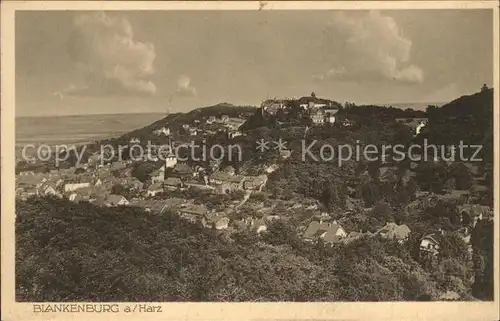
112, 184
175, 185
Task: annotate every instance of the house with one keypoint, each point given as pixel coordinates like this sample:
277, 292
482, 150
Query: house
354, 236
172, 203
193, 131
214, 164
134, 184
430, 244
317, 116
347, 123
224, 118
79, 197
97, 182
450, 296
193, 212
471, 214
116, 200
216, 221
29, 192
233, 134
225, 183
329, 232
211, 120
396, 232
134, 140
271, 168
419, 128
330, 115
154, 189
185, 126
158, 175
75, 197
330, 119
229, 170
258, 225
234, 123
255, 183
70, 187
27, 173
285, 154
465, 234
416, 124
308, 102
162, 131
173, 183
271, 106
182, 170
49, 189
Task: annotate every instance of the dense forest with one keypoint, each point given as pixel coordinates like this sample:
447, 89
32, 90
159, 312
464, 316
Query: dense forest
68, 251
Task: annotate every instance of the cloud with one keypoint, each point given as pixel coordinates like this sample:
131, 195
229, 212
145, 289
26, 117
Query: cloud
184, 89
374, 48
112, 62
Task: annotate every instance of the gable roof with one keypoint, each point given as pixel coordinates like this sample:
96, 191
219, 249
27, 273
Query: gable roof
392, 230
215, 218
316, 229
195, 209
436, 237
183, 168
316, 100
311, 230
155, 187
172, 181
225, 177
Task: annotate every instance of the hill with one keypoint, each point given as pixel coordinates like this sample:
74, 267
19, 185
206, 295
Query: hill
468, 119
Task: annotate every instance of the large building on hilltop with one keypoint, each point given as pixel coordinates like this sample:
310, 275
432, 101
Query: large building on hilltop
308, 102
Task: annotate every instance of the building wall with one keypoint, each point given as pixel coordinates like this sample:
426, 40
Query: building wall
73, 187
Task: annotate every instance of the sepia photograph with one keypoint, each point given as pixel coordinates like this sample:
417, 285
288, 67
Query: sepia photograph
252, 156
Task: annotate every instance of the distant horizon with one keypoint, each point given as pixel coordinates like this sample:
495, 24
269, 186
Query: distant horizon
391, 104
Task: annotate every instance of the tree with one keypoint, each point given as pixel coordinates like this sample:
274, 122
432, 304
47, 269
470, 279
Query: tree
79, 170
431, 176
482, 257
142, 170
118, 189
382, 212
462, 176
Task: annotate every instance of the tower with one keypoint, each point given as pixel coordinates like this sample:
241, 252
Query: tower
171, 159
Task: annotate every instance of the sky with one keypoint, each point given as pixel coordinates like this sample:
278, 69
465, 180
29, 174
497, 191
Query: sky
86, 62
